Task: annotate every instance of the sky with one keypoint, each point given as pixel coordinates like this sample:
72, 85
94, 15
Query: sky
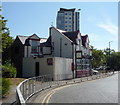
97, 19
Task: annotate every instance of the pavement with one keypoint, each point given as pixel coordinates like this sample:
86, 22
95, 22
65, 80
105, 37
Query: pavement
11, 97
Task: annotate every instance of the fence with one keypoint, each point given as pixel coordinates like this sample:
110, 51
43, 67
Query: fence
30, 86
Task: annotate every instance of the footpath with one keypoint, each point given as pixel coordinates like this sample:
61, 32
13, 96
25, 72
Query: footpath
11, 97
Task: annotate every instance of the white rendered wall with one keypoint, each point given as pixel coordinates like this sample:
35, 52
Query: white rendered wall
66, 47
60, 66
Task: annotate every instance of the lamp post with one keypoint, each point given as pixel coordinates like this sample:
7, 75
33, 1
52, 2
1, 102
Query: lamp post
109, 52
109, 46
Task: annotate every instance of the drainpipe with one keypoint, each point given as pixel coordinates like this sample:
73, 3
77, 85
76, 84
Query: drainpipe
60, 47
75, 62
72, 65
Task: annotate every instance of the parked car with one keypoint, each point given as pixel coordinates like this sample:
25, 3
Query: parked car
94, 71
102, 68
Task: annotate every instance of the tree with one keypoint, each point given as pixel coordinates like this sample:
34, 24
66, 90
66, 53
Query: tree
8, 71
107, 54
108, 51
7, 40
98, 58
5, 49
113, 61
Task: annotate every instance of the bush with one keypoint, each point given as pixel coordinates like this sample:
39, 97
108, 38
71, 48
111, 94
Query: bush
5, 86
8, 71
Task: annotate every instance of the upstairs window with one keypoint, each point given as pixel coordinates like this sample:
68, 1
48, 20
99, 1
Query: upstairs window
34, 43
65, 29
34, 49
34, 46
65, 13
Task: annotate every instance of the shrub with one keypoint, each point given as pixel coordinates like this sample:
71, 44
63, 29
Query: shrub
8, 71
5, 86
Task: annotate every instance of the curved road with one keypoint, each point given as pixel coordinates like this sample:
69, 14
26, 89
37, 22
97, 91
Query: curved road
103, 90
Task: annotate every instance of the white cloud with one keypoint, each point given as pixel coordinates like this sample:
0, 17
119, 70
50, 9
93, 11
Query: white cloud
94, 37
108, 26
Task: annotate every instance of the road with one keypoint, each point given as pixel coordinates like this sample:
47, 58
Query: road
103, 90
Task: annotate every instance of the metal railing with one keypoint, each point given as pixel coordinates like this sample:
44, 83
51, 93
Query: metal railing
30, 86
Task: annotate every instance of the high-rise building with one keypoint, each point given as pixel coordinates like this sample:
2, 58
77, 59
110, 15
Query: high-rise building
68, 19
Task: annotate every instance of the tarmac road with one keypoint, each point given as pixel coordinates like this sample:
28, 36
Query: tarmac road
104, 90
97, 91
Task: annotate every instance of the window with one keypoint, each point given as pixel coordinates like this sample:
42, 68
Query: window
69, 17
65, 13
34, 49
34, 46
34, 43
65, 21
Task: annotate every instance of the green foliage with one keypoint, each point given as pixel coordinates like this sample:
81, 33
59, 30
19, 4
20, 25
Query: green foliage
8, 71
98, 58
7, 40
5, 86
107, 57
113, 60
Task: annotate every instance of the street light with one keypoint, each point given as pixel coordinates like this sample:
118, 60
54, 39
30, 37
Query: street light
109, 46
109, 52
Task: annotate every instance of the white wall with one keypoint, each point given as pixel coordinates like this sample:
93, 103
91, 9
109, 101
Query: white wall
60, 66
27, 53
46, 50
29, 67
66, 50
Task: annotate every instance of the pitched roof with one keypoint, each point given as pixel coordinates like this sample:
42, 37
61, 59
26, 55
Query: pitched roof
22, 38
25, 39
71, 35
27, 43
47, 43
84, 39
61, 32
42, 40
33, 35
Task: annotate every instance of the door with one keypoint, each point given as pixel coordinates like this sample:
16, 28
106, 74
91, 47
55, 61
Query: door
37, 69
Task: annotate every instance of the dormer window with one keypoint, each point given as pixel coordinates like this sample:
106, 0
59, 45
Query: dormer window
34, 49
34, 46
